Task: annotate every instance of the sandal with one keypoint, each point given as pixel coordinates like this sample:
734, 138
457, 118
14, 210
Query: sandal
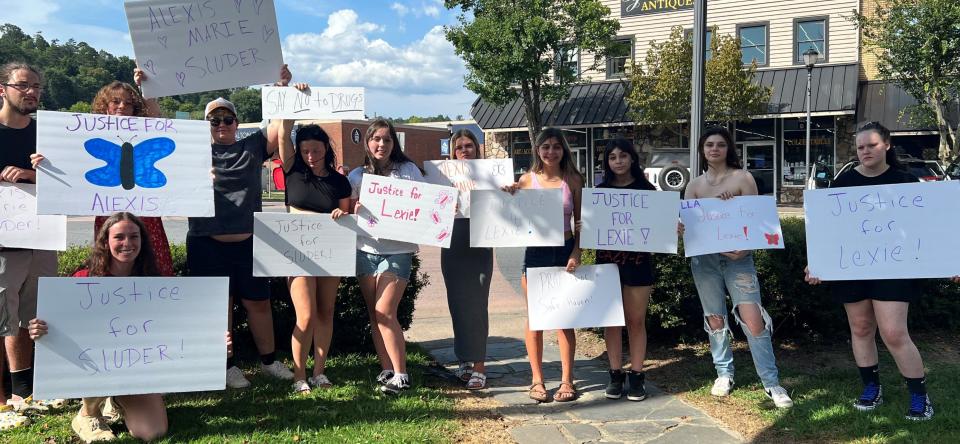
567, 395
464, 371
538, 392
478, 381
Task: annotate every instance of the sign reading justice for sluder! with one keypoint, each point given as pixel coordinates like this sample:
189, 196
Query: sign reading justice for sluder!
98, 165
629, 220
202, 45
125, 336
406, 210
898, 231
303, 244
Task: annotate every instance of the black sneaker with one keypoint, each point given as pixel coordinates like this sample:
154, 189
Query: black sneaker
395, 385
384, 377
636, 392
920, 407
870, 399
615, 386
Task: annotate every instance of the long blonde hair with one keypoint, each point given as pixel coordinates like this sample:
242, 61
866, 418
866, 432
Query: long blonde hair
567, 167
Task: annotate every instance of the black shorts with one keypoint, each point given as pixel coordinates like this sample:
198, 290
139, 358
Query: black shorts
636, 268
537, 257
207, 256
896, 290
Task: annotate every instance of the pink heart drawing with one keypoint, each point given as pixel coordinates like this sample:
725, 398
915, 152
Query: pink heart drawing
267, 33
181, 77
163, 40
258, 4
237, 4
150, 66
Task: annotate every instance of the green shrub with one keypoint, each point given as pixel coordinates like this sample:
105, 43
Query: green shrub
351, 324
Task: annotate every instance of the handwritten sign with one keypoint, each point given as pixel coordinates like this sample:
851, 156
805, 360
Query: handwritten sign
128, 336
204, 45
899, 231
98, 165
588, 297
20, 227
407, 210
529, 218
629, 220
315, 103
469, 175
302, 245
741, 223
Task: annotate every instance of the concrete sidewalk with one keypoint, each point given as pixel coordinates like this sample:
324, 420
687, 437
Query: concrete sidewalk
661, 418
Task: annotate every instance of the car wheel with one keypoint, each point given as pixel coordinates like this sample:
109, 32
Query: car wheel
674, 178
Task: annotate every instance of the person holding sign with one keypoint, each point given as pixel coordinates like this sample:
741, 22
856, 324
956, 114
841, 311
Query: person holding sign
20, 269
121, 248
223, 245
622, 170
733, 272
383, 266
553, 168
466, 275
313, 185
882, 303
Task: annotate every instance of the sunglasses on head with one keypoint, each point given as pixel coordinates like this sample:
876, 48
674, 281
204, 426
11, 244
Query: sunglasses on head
227, 120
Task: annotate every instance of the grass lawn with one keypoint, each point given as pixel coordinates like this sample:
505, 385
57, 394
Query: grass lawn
268, 412
823, 382
274, 196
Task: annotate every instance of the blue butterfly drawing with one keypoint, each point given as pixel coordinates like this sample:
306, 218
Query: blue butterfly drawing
129, 165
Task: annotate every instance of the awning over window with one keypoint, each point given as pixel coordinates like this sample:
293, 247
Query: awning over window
882, 102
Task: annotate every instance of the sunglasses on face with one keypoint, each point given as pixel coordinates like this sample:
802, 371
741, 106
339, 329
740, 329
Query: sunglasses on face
227, 120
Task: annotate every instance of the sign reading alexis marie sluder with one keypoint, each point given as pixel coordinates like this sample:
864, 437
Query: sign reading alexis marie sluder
643, 7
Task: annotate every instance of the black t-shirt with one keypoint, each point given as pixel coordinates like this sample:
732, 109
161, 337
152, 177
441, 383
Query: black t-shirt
236, 187
310, 192
853, 178
625, 257
16, 145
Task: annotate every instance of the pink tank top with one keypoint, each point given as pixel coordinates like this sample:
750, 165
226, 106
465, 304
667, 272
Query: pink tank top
567, 199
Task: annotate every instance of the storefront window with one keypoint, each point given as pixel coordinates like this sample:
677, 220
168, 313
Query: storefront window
520, 152
822, 148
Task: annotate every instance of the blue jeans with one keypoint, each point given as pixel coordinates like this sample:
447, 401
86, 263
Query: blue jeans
715, 276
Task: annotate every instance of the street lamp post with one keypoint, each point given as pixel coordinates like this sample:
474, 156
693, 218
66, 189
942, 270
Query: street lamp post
809, 59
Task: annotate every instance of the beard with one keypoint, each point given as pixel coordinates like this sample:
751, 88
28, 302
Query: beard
21, 107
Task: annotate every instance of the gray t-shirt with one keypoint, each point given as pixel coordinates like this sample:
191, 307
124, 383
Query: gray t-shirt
236, 187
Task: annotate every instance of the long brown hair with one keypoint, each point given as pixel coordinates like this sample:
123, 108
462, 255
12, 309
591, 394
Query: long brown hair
463, 132
567, 168
114, 89
397, 157
98, 263
733, 161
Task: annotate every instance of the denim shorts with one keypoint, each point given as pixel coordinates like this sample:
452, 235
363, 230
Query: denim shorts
376, 264
536, 257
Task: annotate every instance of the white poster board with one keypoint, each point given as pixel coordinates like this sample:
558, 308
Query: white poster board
315, 103
629, 220
97, 165
741, 223
588, 297
407, 210
127, 336
21, 227
302, 244
469, 175
195, 46
528, 218
899, 231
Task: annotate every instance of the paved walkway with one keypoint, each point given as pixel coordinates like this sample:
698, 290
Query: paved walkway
661, 418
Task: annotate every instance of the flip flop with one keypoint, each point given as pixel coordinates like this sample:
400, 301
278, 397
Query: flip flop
538, 392
562, 395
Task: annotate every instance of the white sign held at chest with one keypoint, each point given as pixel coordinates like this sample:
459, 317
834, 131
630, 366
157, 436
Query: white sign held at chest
528, 218
629, 220
901, 231
303, 244
588, 297
407, 211
21, 227
204, 45
315, 103
469, 175
740, 223
97, 165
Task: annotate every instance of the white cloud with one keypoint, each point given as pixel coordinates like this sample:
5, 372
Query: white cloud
433, 8
400, 9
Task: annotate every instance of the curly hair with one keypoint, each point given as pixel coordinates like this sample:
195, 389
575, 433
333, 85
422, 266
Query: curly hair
98, 262
115, 89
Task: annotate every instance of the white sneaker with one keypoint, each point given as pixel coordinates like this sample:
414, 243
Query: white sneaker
722, 386
235, 378
779, 396
277, 370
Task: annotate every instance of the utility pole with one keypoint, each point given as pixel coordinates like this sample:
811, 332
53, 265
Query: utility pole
699, 82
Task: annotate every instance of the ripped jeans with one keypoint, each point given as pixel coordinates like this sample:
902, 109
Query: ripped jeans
716, 275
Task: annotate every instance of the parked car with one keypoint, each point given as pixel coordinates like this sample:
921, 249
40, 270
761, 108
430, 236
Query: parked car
953, 169
925, 170
669, 169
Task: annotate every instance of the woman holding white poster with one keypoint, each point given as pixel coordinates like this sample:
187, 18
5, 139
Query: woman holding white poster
383, 266
883, 303
622, 170
733, 272
553, 168
466, 275
313, 185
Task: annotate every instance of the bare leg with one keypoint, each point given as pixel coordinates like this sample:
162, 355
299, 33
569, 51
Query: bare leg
323, 332
260, 317
863, 332
567, 340
368, 288
635, 301
144, 415
389, 291
892, 320
533, 340
612, 336
302, 291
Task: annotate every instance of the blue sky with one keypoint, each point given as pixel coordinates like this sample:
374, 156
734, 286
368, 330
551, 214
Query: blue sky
393, 48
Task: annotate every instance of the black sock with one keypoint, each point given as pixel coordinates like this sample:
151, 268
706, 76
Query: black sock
870, 374
268, 358
231, 362
917, 385
22, 381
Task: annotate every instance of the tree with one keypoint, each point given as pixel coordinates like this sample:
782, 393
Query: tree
660, 89
510, 47
80, 107
248, 104
917, 44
